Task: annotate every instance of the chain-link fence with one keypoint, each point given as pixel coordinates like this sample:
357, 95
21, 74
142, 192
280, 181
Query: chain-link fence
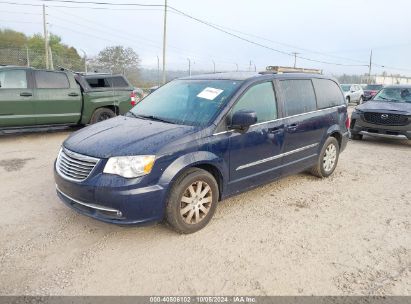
37, 59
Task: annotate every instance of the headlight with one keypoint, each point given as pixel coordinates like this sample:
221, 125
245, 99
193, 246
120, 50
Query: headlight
130, 166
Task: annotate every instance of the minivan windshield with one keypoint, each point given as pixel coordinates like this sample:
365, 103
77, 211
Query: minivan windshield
373, 87
186, 102
394, 95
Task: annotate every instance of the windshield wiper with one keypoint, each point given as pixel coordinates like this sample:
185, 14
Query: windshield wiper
151, 117
134, 115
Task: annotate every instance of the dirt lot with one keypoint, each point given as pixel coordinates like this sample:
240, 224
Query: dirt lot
348, 234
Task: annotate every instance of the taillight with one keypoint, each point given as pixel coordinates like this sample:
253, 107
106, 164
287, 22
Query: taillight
347, 122
133, 99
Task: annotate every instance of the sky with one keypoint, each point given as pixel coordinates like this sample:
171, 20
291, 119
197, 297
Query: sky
339, 32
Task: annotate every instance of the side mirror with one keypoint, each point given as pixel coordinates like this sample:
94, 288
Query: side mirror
243, 119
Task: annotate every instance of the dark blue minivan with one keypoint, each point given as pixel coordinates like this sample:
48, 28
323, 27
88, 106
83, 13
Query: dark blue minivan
198, 140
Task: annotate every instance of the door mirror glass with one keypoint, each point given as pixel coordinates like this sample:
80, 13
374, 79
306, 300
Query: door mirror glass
243, 119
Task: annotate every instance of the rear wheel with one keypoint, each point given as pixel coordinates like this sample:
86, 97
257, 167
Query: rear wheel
347, 99
328, 158
101, 114
192, 201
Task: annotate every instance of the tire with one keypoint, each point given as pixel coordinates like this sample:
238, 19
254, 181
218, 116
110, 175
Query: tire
184, 206
325, 166
356, 136
101, 114
361, 100
347, 99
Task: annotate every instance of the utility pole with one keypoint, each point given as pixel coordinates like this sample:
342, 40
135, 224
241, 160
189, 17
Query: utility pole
164, 41
214, 66
255, 68
237, 67
158, 71
249, 67
46, 42
189, 66
369, 69
295, 58
51, 59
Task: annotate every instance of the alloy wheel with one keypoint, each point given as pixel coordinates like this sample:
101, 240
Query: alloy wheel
196, 202
330, 157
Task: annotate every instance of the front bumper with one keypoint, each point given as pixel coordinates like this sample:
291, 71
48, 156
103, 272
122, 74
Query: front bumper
359, 126
109, 198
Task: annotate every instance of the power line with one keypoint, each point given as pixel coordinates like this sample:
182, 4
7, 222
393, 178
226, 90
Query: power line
280, 43
18, 21
21, 13
219, 28
82, 7
154, 43
105, 3
216, 27
256, 43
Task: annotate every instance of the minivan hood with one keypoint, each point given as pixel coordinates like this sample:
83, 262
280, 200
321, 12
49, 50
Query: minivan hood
385, 106
122, 136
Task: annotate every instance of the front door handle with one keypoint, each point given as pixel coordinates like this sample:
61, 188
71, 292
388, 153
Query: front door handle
26, 94
292, 127
73, 94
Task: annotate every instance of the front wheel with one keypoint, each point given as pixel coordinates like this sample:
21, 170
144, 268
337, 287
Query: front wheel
327, 162
101, 114
192, 201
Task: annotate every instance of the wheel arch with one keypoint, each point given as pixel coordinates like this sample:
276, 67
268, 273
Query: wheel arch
202, 160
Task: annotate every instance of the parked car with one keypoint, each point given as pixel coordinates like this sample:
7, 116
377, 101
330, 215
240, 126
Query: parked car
353, 93
39, 98
198, 140
388, 114
371, 90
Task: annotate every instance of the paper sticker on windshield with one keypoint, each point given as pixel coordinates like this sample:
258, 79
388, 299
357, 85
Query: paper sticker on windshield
210, 93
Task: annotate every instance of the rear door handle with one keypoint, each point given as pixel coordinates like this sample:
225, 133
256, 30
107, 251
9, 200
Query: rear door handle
275, 130
292, 127
73, 94
26, 94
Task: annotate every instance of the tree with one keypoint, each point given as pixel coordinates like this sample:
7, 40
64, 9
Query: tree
10, 38
118, 59
16, 47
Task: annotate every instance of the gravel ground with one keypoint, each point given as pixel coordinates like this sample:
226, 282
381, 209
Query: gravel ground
349, 234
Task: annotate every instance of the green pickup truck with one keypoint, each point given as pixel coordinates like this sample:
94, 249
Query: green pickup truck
31, 98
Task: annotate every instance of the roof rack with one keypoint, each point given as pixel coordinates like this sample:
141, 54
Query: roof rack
282, 69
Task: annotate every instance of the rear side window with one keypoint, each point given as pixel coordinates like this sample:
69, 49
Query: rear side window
118, 82
328, 93
13, 79
51, 80
261, 99
299, 96
98, 82
107, 82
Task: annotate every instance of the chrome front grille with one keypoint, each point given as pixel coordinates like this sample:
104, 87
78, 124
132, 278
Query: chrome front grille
74, 166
